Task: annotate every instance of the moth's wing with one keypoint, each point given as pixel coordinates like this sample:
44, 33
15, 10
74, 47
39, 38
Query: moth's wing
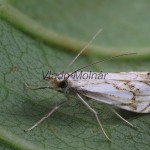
131, 76
130, 95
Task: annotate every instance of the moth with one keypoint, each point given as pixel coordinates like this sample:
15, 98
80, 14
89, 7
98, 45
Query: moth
125, 90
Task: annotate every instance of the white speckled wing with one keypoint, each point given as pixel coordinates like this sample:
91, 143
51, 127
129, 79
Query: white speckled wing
130, 90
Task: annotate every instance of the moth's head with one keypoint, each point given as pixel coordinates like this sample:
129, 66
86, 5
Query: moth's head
57, 83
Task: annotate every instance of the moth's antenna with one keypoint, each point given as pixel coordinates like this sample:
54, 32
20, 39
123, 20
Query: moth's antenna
82, 50
92, 64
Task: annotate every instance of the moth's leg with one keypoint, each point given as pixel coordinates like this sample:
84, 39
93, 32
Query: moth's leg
95, 113
123, 118
46, 116
41, 87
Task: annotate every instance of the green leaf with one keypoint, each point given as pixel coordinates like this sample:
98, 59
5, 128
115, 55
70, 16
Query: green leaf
38, 36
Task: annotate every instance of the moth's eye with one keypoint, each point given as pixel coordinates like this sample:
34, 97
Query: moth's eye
63, 84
